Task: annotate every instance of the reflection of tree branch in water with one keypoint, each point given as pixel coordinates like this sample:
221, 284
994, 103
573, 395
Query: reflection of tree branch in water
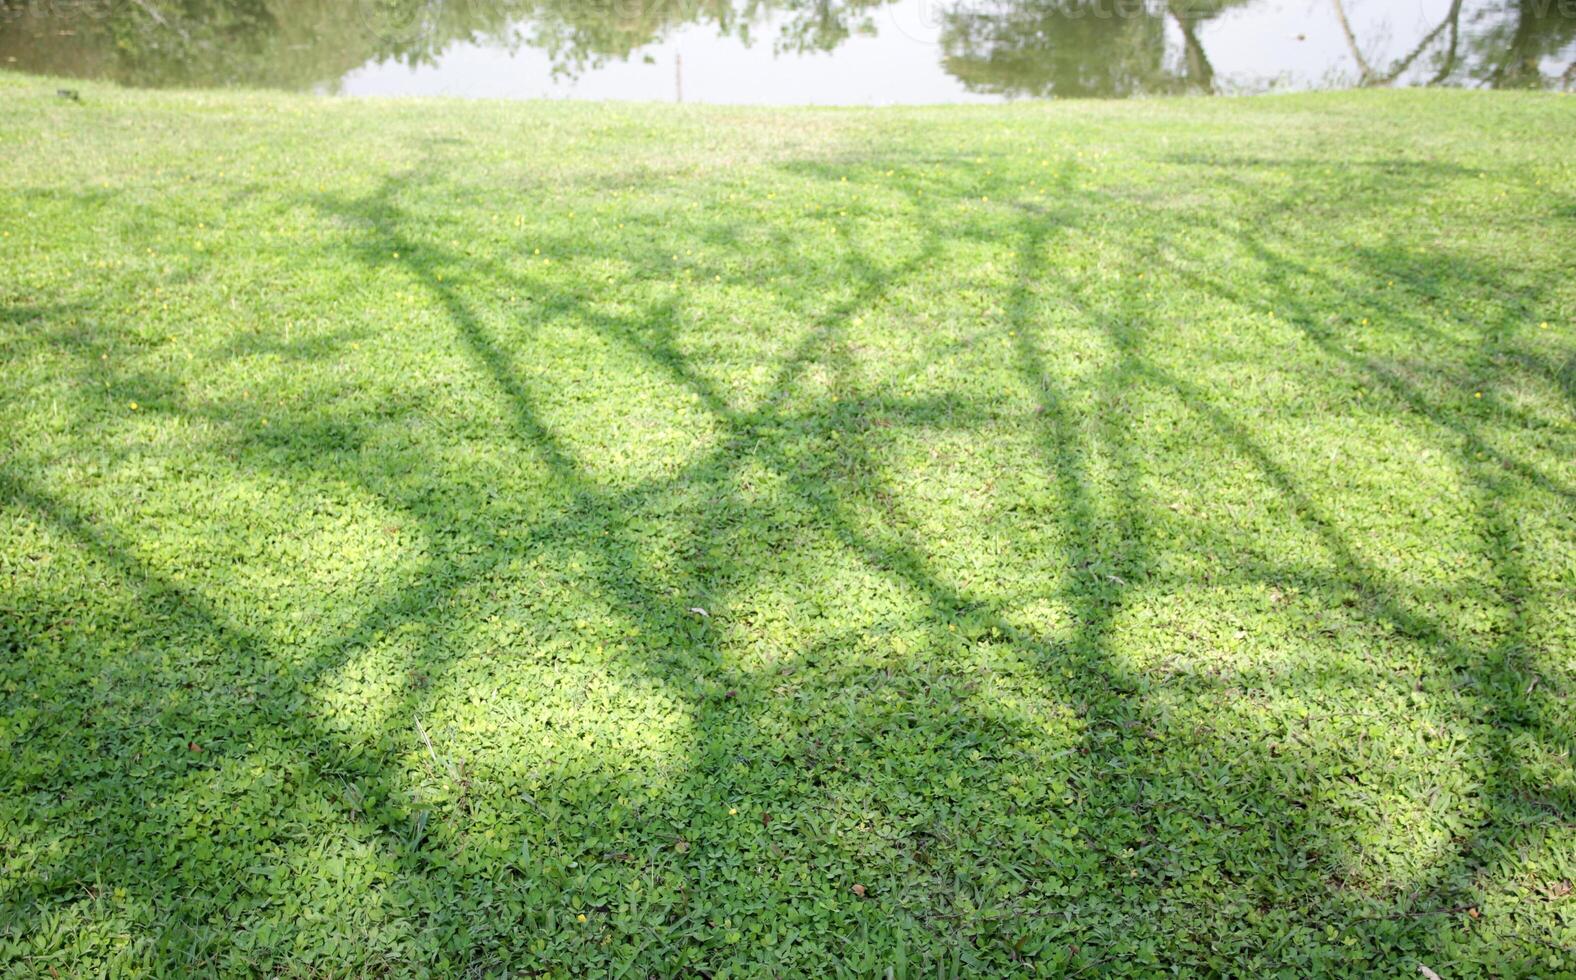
158, 18
1449, 64
1370, 77
1199, 70
1363, 67
1451, 21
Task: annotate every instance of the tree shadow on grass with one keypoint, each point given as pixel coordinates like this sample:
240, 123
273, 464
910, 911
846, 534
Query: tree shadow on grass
1010, 780
277, 714
1508, 695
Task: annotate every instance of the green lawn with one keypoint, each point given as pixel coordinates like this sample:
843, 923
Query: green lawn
1070, 538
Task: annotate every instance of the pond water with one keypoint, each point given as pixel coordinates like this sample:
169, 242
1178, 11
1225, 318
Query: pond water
839, 52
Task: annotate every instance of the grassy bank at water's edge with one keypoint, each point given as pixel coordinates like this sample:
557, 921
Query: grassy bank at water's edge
569, 537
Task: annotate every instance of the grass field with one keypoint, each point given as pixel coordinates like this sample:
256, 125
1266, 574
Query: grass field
1061, 539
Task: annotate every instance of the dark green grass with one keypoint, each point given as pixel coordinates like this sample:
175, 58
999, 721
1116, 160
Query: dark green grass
447, 537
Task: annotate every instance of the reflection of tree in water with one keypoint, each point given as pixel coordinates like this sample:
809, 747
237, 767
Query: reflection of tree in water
302, 43
1014, 47
582, 34
1112, 48
1511, 42
267, 43
1499, 44
821, 25
1078, 47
